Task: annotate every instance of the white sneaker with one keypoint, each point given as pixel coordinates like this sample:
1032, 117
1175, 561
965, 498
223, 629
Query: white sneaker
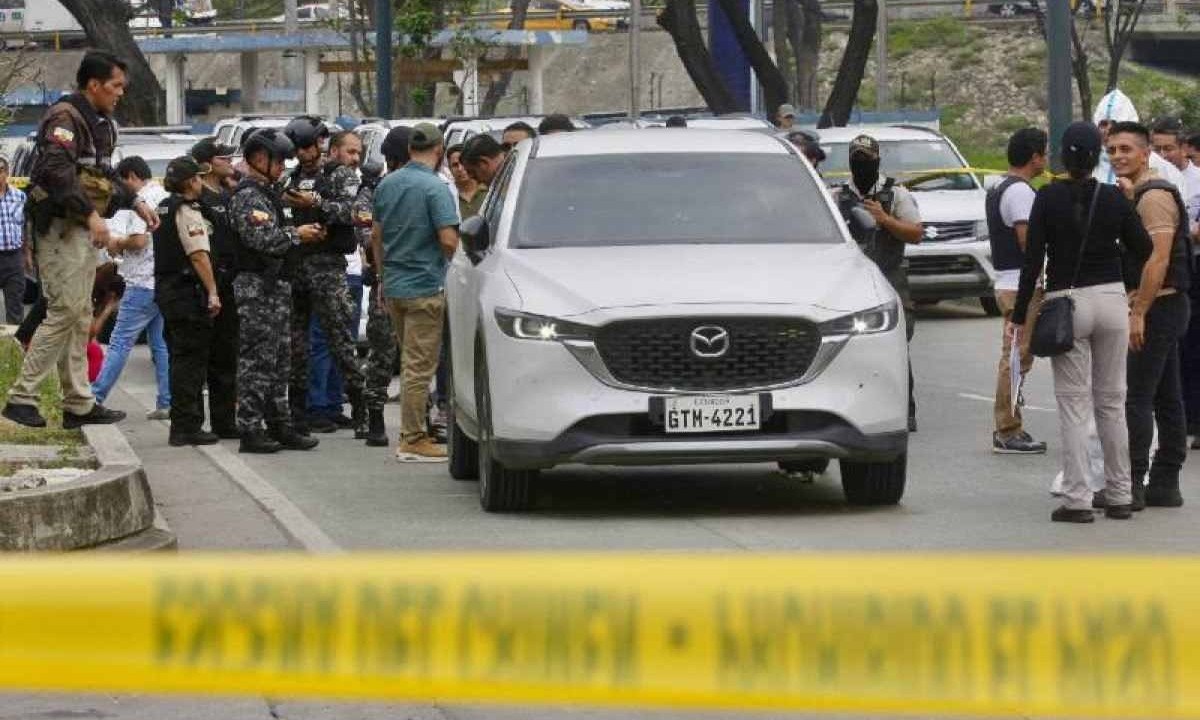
159, 414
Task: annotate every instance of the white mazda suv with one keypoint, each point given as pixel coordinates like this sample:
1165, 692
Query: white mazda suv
652, 297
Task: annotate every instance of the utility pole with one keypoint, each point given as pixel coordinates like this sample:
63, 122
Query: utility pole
882, 101
383, 58
1058, 75
292, 76
635, 60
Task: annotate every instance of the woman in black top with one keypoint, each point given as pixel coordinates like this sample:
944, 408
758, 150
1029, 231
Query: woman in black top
1091, 377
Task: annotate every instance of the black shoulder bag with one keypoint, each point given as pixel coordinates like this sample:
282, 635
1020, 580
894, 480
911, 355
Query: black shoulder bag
1054, 328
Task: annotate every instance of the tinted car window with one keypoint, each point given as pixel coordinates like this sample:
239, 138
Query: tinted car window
670, 198
905, 160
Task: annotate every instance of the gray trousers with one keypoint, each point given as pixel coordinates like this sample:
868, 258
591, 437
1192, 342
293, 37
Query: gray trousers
12, 284
1090, 379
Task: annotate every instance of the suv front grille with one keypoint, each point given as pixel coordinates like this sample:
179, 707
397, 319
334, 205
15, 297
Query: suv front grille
657, 353
946, 231
942, 265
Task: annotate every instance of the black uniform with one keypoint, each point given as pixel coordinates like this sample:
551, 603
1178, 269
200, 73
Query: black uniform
200, 351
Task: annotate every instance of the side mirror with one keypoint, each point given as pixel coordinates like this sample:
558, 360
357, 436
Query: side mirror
861, 220
475, 237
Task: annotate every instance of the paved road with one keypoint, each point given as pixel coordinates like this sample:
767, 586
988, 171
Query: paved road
960, 497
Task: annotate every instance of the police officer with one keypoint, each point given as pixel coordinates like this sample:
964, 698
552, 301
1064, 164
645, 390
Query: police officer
216, 189
185, 290
73, 190
897, 222
323, 196
263, 294
381, 341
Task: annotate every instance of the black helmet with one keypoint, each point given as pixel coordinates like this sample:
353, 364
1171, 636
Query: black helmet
305, 131
372, 170
273, 141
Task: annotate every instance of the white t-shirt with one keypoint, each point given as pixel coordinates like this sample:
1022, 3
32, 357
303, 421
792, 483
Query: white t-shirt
137, 266
1015, 206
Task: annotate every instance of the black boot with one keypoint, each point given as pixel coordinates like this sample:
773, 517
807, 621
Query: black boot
1138, 490
1163, 492
289, 439
376, 435
358, 410
258, 442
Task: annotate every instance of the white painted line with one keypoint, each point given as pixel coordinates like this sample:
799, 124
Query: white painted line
991, 399
290, 518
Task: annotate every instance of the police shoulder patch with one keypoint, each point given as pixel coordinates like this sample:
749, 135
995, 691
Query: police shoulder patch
63, 136
259, 217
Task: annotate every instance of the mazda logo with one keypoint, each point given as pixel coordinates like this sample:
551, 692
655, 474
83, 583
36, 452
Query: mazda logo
710, 341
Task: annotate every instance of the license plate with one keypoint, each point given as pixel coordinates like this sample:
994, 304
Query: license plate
711, 413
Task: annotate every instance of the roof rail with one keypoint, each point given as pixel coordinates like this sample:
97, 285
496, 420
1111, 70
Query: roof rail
914, 126
156, 129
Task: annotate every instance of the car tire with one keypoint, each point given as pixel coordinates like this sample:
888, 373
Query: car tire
463, 452
990, 306
581, 25
1008, 10
874, 483
817, 466
501, 489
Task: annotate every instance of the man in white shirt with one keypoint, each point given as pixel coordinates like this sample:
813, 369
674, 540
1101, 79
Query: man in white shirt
1008, 206
1168, 138
131, 247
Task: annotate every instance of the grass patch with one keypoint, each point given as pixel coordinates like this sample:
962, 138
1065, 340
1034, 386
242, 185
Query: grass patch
50, 393
943, 33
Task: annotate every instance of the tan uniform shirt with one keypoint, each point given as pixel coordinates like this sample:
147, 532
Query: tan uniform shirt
194, 230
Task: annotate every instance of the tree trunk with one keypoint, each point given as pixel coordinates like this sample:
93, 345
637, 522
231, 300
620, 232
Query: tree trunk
361, 83
854, 64
1079, 68
106, 23
774, 85
497, 90
779, 36
804, 33
679, 19
1118, 31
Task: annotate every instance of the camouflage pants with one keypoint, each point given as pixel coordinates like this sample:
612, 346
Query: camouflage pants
264, 309
381, 355
320, 288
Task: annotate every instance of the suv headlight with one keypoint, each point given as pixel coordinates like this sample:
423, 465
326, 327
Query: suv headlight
867, 322
524, 326
981, 230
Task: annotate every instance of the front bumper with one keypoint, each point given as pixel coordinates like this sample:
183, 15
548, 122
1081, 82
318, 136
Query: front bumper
632, 440
550, 409
945, 271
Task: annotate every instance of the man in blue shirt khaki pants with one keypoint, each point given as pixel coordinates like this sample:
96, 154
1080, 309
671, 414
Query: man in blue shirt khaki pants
414, 232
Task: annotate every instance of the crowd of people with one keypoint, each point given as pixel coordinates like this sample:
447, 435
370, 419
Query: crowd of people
246, 279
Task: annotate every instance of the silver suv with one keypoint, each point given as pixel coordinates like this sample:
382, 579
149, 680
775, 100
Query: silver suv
954, 260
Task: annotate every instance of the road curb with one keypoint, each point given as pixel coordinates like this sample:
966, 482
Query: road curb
111, 507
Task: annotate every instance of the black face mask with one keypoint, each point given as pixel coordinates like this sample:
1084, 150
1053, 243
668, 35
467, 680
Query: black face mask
864, 171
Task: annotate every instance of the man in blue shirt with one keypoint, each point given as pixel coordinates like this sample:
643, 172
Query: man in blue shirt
414, 232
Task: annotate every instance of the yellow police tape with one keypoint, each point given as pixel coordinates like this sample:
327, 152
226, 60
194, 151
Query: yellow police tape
978, 634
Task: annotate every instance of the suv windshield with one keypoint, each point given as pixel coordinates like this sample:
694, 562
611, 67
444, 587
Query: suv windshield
912, 162
670, 198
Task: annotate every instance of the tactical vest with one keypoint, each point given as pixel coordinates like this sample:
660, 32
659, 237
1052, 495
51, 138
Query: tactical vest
885, 250
1006, 250
95, 147
1179, 271
340, 238
249, 259
214, 206
169, 256
318, 184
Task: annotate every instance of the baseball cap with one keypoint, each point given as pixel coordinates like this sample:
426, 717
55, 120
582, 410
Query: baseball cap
208, 148
424, 136
866, 145
786, 110
182, 169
